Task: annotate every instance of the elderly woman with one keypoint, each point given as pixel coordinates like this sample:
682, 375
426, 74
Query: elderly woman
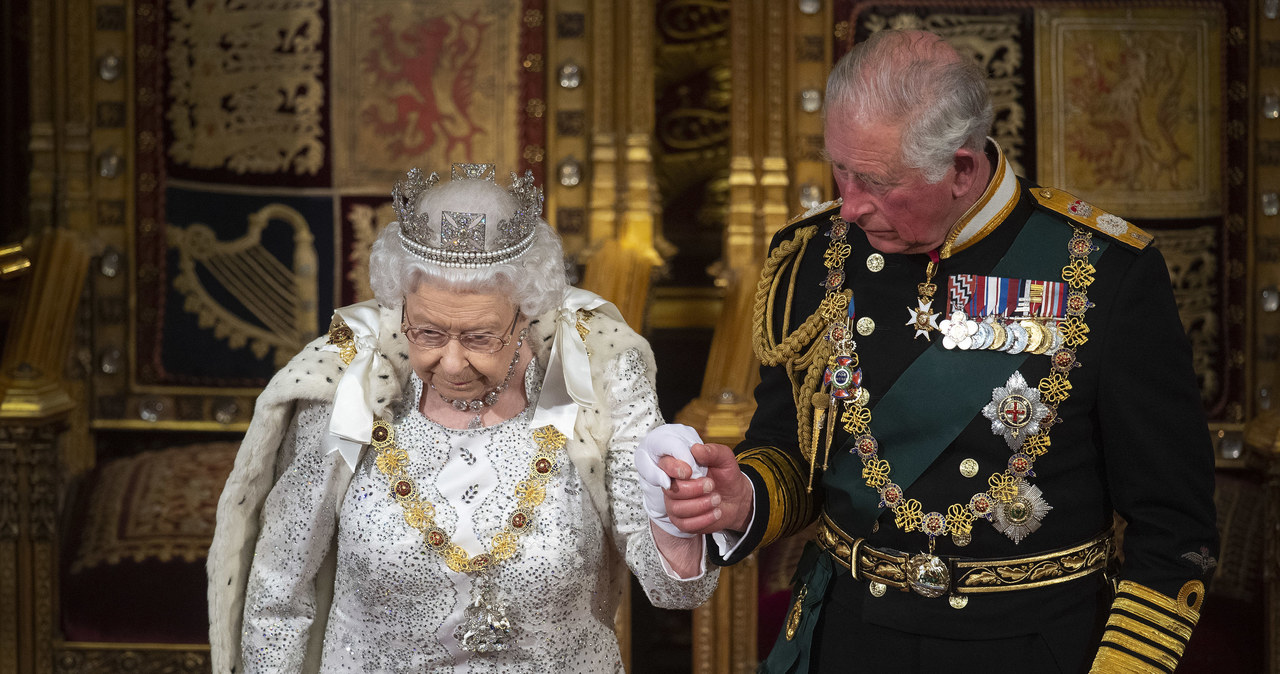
446, 481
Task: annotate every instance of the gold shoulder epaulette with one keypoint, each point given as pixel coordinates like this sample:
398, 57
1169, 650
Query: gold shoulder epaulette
1092, 217
816, 210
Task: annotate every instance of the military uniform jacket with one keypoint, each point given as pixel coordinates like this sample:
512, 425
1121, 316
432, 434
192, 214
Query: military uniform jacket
1130, 437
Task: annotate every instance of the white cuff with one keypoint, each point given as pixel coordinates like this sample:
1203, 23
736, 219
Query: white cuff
727, 541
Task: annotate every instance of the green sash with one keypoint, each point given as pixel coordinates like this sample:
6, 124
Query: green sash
917, 418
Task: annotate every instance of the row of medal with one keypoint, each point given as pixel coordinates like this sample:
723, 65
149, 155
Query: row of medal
1012, 335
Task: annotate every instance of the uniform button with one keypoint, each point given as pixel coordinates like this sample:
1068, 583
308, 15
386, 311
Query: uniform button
866, 326
877, 589
958, 601
1046, 193
968, 468
875, 262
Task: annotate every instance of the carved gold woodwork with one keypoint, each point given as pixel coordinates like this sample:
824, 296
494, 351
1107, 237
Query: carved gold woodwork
34, 406
763, 76
85, 658
621, 217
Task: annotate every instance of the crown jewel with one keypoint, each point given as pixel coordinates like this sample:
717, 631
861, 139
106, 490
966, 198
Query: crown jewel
465, 238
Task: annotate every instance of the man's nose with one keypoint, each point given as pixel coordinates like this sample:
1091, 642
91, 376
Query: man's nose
854, 203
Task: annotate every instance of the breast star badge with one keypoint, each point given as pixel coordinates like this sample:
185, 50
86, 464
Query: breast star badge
1015, 410
922, 319
1021, 515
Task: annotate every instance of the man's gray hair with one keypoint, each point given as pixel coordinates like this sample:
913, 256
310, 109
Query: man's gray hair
940, 95
535, 281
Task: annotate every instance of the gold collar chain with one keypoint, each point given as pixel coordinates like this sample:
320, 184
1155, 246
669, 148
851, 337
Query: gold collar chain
420, 514
1006, 489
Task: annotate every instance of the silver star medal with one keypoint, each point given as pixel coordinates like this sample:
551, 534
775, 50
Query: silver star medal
922, 319
1015, 410
958, 331
1022, 514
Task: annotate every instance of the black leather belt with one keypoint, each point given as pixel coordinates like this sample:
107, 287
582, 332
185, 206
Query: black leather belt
937, 575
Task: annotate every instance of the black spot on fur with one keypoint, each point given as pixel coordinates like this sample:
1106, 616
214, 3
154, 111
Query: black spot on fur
242, 498
339, 368
380, 400
297, 381
395, 335
315, 348
404, 356
308, 371
384, 376
329, 379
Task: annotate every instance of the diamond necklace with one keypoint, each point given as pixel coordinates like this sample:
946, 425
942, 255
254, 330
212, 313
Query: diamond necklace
490, 397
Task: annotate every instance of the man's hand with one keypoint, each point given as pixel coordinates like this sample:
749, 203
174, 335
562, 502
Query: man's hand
669, 441
705, 505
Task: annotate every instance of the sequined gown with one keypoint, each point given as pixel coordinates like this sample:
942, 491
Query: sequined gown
396, 604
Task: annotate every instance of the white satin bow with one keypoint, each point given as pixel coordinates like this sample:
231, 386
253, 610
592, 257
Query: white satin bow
351, 423
567, 385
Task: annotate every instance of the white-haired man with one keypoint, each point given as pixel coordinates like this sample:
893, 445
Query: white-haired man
963, 468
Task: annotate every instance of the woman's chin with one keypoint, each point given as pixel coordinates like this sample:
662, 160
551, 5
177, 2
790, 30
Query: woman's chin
459, 392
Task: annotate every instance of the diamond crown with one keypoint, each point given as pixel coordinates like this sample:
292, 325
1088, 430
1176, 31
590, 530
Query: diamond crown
466, 238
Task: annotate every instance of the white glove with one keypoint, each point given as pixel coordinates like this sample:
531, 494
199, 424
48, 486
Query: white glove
667, 440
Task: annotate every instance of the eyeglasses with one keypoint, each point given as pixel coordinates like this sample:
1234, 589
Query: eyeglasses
478, 342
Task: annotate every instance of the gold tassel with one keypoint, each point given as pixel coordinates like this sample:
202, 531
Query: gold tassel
820, 401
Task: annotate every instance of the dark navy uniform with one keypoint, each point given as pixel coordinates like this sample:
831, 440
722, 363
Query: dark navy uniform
1129, 437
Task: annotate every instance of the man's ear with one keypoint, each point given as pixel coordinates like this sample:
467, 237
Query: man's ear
971, 170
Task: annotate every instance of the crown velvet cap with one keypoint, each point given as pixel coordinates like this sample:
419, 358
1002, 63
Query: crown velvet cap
470, 221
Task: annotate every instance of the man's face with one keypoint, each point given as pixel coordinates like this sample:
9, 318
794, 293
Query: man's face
899, 211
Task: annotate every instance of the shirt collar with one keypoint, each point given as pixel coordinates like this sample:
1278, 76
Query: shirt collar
992, 208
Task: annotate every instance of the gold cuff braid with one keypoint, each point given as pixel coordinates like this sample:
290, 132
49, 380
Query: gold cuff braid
1148, 631
790, 506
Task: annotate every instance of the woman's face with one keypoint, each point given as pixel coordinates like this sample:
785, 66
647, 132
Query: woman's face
455, 371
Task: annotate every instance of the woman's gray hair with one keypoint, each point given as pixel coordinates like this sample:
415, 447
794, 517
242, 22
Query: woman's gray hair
535, 281
941, 96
